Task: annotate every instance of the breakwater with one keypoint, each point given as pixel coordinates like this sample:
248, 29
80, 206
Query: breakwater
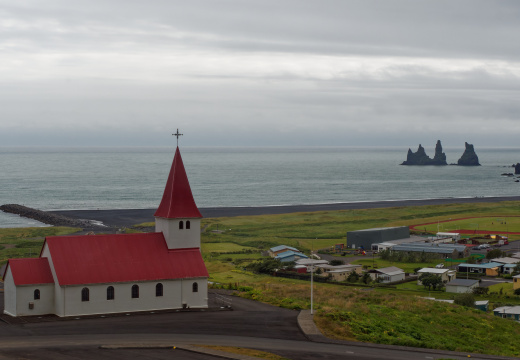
45, 216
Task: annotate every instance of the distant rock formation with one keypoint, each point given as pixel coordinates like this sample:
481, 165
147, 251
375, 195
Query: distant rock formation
420, 158
517, 168
45, 216
469, 158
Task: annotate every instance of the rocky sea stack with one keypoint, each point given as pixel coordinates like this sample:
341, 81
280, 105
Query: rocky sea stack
420, 158
469, 158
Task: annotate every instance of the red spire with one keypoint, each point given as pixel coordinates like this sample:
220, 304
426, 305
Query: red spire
177, 200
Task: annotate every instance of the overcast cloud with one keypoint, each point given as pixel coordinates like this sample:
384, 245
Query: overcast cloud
238, 72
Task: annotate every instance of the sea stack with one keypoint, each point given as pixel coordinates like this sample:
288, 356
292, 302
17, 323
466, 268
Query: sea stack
517, 168
420, 158
469, 158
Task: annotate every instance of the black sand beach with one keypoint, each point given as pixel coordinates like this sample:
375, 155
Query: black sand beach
128, 217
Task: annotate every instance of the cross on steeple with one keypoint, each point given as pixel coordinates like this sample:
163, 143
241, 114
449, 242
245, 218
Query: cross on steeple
177, 134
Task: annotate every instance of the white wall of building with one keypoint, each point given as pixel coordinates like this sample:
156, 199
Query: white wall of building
179, 238
175, 293
18, 298
9, 294
460, 289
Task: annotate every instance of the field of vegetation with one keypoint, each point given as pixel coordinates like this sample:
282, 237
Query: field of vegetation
389, 315
476, 225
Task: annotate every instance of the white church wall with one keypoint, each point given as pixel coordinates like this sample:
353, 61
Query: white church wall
179, 238
42, 306
198, 299
123, 301
9, 294
58, 291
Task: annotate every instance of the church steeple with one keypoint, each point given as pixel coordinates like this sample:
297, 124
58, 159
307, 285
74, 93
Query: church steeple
177, 216
177, 200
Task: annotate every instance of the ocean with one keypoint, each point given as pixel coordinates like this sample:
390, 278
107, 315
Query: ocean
134, 178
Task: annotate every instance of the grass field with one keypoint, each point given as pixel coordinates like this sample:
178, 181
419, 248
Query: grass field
475, 225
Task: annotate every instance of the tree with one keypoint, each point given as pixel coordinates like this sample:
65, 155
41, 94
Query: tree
431, 281
495, 253
366, 279
465, 299
336, 262
353, 277
517, 291
480, 290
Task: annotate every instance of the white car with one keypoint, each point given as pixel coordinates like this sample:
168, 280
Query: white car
439, 266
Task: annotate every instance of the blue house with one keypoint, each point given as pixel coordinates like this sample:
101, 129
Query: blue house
290, 255
508, 312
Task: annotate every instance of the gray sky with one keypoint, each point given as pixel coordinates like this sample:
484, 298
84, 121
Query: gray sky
238, 72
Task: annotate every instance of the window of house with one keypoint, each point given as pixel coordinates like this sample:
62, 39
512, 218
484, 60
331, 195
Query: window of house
159, 289
195, 287
110, 293
181, 225
188, 225
85, 294
37, 294
135, 291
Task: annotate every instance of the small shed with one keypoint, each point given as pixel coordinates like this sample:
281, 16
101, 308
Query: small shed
461, 286
387, 275
482, 305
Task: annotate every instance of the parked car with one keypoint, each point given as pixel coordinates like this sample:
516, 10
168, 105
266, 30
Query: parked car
439, 266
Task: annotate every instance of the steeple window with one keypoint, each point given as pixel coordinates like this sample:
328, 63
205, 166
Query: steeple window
181, 225
188, 225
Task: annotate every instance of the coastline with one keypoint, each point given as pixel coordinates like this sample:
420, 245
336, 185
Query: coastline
129, 217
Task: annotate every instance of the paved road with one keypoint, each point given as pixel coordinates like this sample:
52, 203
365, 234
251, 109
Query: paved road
128, 217
251, 324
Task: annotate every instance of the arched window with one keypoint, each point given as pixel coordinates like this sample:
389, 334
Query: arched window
181, 225
37, 294
135, 291
159, 289
85, 294
188, 225
110, 293
195, 287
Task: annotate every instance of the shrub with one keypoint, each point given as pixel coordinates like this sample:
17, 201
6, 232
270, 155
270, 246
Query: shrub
466, 299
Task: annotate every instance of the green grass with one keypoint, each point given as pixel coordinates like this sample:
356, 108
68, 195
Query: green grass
27, 242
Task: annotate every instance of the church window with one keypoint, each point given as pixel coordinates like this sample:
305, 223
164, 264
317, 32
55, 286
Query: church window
188, 225
195, 287
181, 225
37, 294
85, 296
159, 289
110, 293
135, 291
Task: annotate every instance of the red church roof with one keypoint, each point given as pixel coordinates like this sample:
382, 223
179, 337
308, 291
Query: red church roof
92, 259
177, 200
30, 271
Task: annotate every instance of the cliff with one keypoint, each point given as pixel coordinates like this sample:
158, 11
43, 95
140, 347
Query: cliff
469, 157
420, 158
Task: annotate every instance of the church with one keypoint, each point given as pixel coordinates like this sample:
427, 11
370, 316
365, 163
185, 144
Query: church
100, 274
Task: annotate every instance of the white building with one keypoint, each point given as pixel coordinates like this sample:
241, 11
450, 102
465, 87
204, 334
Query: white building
97, 274
387, 275
461, 286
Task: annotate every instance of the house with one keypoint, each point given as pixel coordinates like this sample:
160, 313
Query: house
280, 249
288, 256
112, 273
482, 305
461, 285
387, 275
508, 312
509, 264
340, 272
453, 251
309, 262
489, 269
516, 282
445, 274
